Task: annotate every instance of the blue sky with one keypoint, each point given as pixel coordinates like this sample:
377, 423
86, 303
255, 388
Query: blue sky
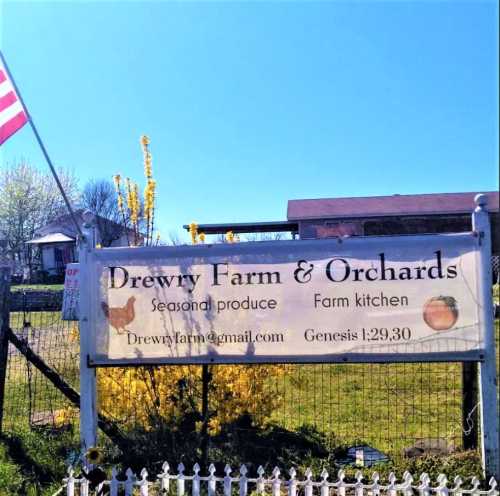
249, 104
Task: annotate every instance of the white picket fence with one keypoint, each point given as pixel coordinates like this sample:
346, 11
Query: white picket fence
275, 485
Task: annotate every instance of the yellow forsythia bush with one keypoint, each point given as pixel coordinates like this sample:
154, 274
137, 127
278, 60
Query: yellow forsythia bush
149, 395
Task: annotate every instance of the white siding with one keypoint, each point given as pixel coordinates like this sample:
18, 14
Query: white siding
48, 259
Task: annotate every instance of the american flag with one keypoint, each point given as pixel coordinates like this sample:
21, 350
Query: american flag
12, 115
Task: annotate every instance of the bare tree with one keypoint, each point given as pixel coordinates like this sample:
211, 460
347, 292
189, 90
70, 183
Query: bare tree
29, 199
99, 196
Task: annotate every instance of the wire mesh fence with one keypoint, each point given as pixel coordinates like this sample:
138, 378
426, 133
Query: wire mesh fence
30, 398
390, 407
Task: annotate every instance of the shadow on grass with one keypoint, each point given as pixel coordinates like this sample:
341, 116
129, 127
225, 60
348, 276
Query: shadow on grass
40, 457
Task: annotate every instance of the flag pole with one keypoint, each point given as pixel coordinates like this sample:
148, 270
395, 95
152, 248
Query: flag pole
42, 146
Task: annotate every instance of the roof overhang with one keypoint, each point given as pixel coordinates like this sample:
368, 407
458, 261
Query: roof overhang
428, 204
52, 238
247, 227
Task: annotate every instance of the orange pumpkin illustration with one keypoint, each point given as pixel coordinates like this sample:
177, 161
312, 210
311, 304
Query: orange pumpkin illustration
441, 312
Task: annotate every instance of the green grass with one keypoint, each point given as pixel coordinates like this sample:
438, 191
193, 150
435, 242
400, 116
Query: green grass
10, 473
45, 405
32, 462
387, 406
38, 287
37, 320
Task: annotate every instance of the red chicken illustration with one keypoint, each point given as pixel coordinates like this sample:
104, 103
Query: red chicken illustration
121, 316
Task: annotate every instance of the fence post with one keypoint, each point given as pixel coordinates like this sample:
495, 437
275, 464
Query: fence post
292, 485
276, 484
70, 482
487, 369
143, 483
113, 484
376, 485
180, 479
260, 484
195, 485
206, 378
4, 326
359, 488
212, 481
84, 487
243, 481
392, 489
340, 484
129, 482
165, 478
470, 396
88, 408
324, 483
456, 490
227, 481
424, 487
308, 487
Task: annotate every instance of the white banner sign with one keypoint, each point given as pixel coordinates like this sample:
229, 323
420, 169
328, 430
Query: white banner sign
359, 299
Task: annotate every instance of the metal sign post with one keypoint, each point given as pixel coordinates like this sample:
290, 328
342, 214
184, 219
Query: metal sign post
88, 392
487, 367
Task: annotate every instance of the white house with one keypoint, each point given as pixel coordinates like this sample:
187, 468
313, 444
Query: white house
57, 241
